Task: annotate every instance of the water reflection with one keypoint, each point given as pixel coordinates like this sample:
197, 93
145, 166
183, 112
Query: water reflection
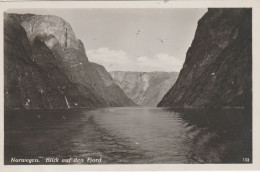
131, 135
222, 135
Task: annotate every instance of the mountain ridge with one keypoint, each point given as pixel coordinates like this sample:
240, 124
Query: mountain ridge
46, 66
217, 71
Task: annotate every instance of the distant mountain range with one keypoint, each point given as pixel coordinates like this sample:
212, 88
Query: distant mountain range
145, 88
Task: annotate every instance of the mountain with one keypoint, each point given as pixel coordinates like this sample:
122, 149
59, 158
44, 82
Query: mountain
217, 71
145, 88
45, 66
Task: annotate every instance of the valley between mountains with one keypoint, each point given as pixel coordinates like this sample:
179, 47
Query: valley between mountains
46, 67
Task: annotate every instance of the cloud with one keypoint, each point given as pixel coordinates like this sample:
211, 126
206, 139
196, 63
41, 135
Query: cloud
121, 60
161, 62
105, 55
111, 59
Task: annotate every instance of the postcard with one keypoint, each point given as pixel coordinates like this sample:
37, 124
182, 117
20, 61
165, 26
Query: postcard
130, 85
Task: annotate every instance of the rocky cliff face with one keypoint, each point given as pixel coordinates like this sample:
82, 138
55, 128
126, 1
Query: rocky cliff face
218, 68
145, 88
45, 66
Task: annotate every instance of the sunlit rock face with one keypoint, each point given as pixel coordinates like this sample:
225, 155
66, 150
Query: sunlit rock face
217, 71
39, 25
47, 67
145, 88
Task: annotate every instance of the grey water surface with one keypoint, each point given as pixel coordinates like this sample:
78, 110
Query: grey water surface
130, 135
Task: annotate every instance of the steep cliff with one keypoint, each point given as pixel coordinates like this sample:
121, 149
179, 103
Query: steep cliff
217, 71
45, 66
145, 88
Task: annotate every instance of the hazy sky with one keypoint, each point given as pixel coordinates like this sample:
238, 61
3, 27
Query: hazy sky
132, 39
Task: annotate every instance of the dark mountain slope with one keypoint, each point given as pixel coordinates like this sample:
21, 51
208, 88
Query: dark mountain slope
31, 78
218, 68
46, 67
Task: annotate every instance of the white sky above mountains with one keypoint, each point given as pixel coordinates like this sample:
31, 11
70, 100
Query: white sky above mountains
132, 39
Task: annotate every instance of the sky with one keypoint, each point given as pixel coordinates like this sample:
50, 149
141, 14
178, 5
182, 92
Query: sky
132, 39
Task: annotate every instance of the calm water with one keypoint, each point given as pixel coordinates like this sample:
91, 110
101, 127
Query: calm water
129, 135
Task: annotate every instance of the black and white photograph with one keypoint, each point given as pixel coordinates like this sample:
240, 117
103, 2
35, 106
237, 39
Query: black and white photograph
110, 86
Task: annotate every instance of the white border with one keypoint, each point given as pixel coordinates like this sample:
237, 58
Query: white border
144, 4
